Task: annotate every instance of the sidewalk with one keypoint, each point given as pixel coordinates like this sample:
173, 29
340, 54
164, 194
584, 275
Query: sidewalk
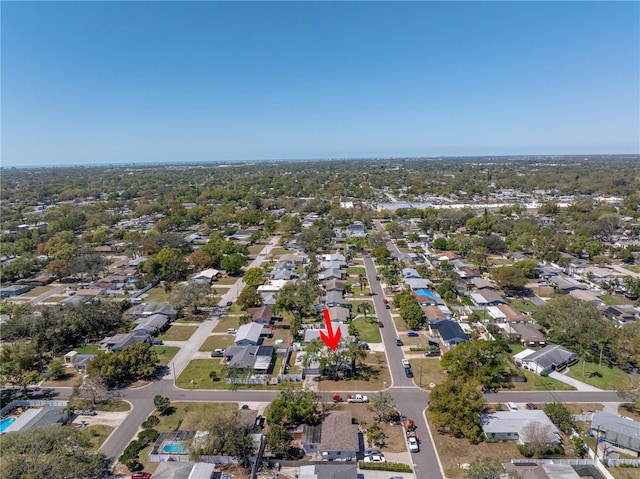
579, 385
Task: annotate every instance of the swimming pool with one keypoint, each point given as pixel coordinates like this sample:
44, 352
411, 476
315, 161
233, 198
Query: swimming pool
425, 292
174, 447
6, 422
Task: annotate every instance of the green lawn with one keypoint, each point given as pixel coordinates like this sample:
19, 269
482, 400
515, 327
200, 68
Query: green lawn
632, 267
466, 300
96, 435
156, 294
225, 281
227, 322
217, 341
612, 300
603, 377
178, 333
165, 353
356, 270
196, 376
523, 305
535, 382
37, 291
88, 349
368, 330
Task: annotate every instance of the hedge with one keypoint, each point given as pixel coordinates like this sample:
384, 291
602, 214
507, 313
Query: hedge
385, 466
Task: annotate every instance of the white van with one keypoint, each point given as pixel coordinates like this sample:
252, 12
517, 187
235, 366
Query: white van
512, 406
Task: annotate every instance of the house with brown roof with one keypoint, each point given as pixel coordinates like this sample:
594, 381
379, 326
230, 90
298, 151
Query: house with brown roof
513, 315
261, 314
334, 439
433, 313
530, 335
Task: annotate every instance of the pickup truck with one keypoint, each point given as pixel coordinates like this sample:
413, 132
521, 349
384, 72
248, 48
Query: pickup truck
357, 398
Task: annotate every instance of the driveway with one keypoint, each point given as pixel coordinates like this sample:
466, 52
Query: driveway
579, 385
106, 418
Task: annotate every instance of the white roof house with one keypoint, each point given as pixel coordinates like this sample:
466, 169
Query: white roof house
548, 359
518, 425
249, 334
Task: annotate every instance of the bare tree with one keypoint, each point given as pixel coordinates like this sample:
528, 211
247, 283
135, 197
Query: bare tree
538, 437
94, 387
192, 294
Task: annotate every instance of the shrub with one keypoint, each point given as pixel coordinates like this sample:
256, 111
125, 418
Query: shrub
150, 422
385, 466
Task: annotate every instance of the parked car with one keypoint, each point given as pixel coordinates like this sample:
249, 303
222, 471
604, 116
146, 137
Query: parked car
357, 398
412, 334
373, 452
432, 352
408, 372
229, 303
375, 458
399, 342
405, 363
217, 353
158, 342
531, 406
86, 412
140, 475
380, 324
232, 331
414, 446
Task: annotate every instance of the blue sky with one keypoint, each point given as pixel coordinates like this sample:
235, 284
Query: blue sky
111, 82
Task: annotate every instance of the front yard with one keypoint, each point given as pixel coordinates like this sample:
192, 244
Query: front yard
178, 332
603, 377
369, 377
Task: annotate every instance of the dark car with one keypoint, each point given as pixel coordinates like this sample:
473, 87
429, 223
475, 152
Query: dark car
432, 352
380, 324
412, 334
531, 406
229, 303
408, 372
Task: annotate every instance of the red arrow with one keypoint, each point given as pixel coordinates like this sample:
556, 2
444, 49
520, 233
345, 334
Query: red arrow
330, 340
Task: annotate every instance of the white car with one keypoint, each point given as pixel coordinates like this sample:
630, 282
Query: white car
413, 444
405, 363
357, 398
375, 458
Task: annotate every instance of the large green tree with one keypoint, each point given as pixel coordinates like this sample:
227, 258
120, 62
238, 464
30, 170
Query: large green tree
456, 407
53, 452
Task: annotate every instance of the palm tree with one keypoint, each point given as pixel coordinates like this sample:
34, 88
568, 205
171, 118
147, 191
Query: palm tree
364, 308
354, 352
364, 282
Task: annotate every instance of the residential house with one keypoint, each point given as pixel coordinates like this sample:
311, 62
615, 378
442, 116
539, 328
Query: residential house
480, 283
282, 274
418, 283
588, 296
328, 471
621, 314
334, 257
262, 315
334, 298
518, 426
272, 286
450, 332
78, 361
355, 230
332, 274
334, 439
566, 284
487, 297
618, 431
334, 285
118, 342
206, 276
409, 273
294, 258
545, 470
249, 334
256, 359
312, 334
333, 264
14, 290
513, 315
468, 273
165, 308
530, 335
547, 359
433, 313
152, 324
339, 313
